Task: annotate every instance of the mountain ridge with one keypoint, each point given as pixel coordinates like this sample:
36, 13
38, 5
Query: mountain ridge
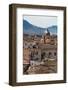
29, 28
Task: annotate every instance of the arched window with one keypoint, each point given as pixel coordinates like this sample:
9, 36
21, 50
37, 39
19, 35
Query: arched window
54, 53
50, 54
43, 55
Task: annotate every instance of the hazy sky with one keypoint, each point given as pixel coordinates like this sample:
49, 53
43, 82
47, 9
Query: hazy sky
41, 21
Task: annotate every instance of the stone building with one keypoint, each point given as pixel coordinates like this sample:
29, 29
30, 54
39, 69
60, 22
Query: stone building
40, 49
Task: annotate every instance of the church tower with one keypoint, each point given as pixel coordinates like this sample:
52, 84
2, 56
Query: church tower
47, 37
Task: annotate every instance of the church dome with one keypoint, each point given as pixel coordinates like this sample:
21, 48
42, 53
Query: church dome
48, 41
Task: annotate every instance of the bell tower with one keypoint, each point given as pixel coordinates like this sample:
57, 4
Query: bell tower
47, 37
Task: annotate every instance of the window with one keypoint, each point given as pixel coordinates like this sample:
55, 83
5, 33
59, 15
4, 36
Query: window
50, 53
55, 54
43, 55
